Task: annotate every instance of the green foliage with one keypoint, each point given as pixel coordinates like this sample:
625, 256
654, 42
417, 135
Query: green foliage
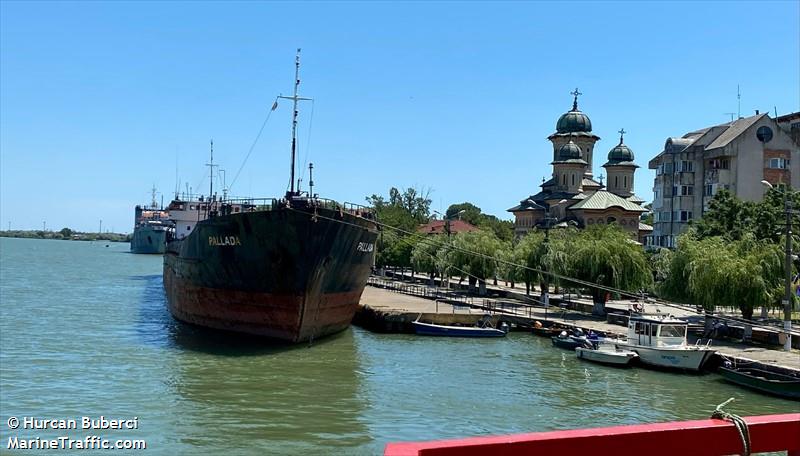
424, 254
405, 211
479, 267
503, 229
606, 255
717, 272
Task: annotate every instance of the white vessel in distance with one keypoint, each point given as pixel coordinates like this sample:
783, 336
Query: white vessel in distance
660, 340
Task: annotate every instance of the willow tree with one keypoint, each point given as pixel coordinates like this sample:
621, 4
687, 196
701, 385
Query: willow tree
424, 254
474, 253
606, 255
717, 272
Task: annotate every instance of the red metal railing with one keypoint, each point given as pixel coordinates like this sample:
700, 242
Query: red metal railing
710, 437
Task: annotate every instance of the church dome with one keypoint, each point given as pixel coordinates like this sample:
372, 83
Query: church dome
620, 153
574, 121
570, 151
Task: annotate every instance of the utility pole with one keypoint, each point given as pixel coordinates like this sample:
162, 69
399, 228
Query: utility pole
100, 231
44, 225
788, 297
787, 301
546, 283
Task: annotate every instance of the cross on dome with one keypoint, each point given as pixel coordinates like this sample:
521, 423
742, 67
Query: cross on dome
621, 133
575, 100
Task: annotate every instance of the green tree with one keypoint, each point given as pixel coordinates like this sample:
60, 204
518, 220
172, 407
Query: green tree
66, 233
606, 255
717, 272
424, 254
474, 254
503, 229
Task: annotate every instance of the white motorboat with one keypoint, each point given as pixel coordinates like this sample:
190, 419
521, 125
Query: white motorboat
606, 355
660, 341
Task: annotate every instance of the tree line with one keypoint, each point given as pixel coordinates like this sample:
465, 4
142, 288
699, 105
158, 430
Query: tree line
731, 258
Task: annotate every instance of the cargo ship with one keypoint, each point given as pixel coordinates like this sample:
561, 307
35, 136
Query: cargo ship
150, 228
291, 269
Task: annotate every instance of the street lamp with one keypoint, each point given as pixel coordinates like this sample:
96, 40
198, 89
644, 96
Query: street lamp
787, 300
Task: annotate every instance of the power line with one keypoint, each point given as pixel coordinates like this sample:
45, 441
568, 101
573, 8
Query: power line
585, 283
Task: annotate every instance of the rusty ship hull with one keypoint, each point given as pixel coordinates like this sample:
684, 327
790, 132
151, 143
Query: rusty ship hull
292, 274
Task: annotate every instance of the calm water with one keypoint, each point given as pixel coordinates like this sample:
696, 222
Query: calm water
84, 331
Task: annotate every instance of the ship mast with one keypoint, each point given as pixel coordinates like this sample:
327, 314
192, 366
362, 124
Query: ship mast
153, 203
295, 98
211, 166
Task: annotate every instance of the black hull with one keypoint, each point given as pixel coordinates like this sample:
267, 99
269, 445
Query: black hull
280, 273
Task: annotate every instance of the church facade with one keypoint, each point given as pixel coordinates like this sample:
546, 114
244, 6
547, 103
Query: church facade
572, 195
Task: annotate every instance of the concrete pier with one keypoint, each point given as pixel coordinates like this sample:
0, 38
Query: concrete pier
391, 310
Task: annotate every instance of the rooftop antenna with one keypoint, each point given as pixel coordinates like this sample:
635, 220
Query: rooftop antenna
224, 187
776, 111
732, 114
739, 102
295, 98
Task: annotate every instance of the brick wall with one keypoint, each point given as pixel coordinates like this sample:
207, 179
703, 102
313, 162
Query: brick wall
775, 176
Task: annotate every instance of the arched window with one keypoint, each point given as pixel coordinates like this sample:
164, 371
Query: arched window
625, 181
564, 179
616, 181
611, 220
573, 178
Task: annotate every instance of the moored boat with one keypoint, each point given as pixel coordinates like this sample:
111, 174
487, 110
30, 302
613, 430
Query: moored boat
570, 341
483, 328
660, 341
150, 227
605, 355
774, 383
291, 269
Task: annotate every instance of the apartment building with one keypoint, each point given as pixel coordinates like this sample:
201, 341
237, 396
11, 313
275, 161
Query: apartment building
736, 156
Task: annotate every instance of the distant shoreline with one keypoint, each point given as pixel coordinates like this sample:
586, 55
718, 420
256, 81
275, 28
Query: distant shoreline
66, 234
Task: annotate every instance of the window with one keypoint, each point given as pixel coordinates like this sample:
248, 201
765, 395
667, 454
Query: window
687, 190
611, 220
708, 190
573, 179
656, 194
625, 182
719, 163
188, 227
683, 216
666, 216
236, 209
667, 168
673, 331
686, 166
778, 163
563, 179
641, 328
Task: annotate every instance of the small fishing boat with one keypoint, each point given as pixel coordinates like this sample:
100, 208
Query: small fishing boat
611, 356
660, 341
570, 341
546, 332
783, 385
483, 328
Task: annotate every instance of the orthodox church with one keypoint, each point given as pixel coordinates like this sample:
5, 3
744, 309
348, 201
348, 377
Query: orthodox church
572, 195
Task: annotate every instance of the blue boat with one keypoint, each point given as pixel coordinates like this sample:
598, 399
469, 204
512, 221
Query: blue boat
482, 328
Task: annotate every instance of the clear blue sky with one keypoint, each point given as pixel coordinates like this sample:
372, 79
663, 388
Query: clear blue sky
99, 100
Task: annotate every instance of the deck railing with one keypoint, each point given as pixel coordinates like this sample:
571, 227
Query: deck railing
712, 437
